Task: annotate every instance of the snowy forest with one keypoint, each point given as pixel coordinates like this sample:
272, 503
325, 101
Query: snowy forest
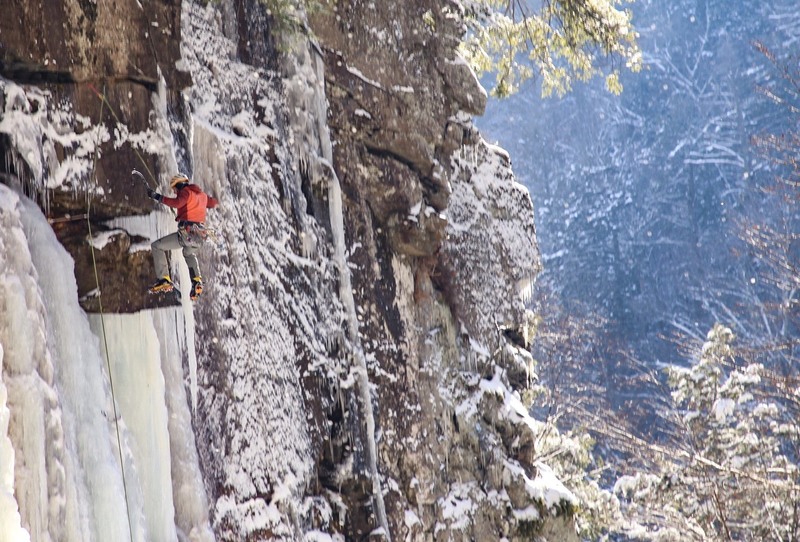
481, 270
667, 218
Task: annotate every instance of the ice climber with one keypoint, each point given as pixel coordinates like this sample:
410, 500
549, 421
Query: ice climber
191, 203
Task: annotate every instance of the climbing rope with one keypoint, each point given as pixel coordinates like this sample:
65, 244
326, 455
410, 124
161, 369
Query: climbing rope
102, 316
104, 102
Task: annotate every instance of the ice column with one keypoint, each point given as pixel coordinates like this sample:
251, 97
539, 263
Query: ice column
348, 301
92, 460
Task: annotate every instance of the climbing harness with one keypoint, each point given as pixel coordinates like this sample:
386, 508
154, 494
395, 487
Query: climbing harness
193, 232
196, 232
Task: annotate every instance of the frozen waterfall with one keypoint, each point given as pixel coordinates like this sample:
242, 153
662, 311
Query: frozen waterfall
56, 405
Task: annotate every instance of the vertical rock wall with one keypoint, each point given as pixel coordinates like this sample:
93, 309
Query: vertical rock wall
89, 71
443, 251
349, 152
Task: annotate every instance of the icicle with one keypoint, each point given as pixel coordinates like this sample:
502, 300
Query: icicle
525, 289
348, 302
308, 244
92, 471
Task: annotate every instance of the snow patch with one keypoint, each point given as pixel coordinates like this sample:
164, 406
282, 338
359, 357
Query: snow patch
100, 240
458, 507
38, 127
357, 73
723, 408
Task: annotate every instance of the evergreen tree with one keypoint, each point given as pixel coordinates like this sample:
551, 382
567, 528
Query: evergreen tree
730, 476
561, 41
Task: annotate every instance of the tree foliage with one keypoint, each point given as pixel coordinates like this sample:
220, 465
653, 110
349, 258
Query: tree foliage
733, 474
730, 467
561, 41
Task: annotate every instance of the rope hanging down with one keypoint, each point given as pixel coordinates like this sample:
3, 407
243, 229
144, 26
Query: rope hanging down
102, 316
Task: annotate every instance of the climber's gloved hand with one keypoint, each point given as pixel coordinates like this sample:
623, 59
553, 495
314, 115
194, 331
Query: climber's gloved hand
153, 194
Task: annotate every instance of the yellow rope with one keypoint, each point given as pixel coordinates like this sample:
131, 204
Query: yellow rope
103, 322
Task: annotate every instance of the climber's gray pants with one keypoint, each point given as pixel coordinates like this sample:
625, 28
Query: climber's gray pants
174, 241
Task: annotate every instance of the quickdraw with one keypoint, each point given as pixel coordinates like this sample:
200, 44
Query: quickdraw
199, 231
196, 229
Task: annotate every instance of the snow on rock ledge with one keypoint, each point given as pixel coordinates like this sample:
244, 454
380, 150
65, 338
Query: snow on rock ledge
491, 248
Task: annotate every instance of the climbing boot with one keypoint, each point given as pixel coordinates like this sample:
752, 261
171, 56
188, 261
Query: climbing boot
164, 284
197, 288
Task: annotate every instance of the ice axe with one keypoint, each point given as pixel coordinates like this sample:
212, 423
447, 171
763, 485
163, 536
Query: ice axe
138, 175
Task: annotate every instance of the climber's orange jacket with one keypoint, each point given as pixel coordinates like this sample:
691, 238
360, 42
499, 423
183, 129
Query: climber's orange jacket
191, 203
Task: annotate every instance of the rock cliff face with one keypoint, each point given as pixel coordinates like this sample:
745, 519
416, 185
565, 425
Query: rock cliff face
352, 366
70, 53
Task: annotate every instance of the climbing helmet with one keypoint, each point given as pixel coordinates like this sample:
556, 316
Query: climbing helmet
177, 179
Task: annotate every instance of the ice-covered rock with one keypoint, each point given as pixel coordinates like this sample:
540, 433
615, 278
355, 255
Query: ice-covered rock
345, 374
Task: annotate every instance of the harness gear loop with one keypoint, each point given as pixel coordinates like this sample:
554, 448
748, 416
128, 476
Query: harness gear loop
193, 231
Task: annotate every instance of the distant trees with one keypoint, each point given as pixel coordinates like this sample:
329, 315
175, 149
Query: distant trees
638, 197
727, 465
732, 473
729, 469
561, 41
732, 470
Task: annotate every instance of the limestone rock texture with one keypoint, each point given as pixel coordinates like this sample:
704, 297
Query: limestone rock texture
354, 374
